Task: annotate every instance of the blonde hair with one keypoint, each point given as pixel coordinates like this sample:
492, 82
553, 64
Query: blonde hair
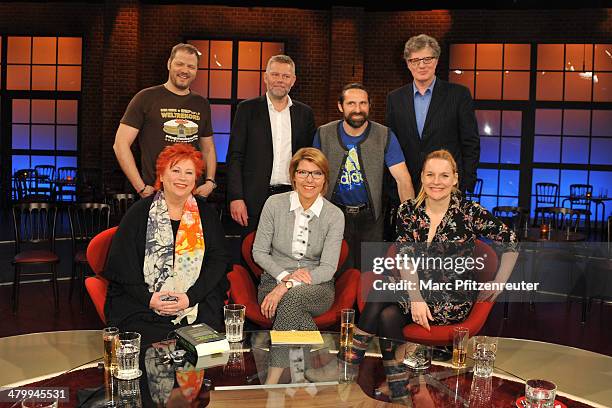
437, 154
316, 157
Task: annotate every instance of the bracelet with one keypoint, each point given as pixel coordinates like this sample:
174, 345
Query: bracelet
212, 181
143, 189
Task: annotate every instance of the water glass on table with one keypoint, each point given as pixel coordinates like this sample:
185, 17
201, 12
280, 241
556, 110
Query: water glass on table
485, 349
417, 356
540, 394
128, 350
109, 337
460, 342
36, 403
347, 327
234, 321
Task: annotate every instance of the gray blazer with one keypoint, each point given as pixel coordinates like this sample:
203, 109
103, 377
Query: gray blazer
272, 246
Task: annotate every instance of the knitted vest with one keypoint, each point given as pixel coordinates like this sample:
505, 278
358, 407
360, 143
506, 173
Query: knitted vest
371, 154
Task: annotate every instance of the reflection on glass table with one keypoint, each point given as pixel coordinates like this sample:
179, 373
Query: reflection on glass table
314, 375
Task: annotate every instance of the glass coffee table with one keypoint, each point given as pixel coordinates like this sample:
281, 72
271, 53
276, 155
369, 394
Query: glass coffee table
312, 376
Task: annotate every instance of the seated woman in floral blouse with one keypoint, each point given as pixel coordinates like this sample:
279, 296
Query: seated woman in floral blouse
446, 225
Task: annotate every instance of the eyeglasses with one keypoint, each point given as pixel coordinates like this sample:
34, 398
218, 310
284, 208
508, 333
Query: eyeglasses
303, 174
426, 60
278, 75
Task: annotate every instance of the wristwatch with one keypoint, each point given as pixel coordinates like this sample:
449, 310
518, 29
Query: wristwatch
288, 284
212, 181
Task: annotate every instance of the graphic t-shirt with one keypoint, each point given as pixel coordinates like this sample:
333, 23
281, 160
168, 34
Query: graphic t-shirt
165, 118
351, 188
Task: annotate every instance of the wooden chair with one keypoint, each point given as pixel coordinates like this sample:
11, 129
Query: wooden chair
547, 195
34, 226
477, 193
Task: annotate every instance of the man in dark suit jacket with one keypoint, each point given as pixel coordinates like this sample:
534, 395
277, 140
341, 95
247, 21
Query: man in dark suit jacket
430, 114
265, 134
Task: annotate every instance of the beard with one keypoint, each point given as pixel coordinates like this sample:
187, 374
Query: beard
356, 123
181, 85
278, 92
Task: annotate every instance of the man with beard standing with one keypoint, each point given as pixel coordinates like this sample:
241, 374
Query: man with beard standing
357, 150
164, 115
266, 132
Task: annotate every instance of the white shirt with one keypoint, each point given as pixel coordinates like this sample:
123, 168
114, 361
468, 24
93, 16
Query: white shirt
280, 123
300, 228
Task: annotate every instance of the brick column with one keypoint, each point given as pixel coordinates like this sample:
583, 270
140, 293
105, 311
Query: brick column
121, 70
346, 55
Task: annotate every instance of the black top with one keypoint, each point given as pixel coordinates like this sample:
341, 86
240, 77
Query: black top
128, 294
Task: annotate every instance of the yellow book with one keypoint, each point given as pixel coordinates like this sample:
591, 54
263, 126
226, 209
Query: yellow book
295, 337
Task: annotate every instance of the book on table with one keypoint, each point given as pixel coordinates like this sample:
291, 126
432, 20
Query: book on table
202, 340
295, 337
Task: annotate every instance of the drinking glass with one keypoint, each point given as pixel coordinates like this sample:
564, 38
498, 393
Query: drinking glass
481, 392
234, 321
235, 365
418, 356
488, 343
129, 393
460, 341
540, 393
35, 403
347, 327
485, 349
109, 337
128, 350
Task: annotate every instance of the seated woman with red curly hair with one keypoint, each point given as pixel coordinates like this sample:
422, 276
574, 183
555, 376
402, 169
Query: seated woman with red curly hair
167, 263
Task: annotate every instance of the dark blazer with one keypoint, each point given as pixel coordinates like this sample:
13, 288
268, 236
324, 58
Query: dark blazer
450, 124
250, 153
128, 296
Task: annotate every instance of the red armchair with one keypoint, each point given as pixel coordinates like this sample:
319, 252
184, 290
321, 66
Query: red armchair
97, 251
443, 335
244, 291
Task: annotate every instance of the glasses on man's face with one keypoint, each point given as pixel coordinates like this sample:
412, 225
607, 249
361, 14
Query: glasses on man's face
303, 174
426, 60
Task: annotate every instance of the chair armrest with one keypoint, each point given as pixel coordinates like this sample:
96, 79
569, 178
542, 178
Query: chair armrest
243, 291
345, 293
366, 280
97, 287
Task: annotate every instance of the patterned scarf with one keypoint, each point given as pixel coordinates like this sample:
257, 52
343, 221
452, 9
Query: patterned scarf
169, 266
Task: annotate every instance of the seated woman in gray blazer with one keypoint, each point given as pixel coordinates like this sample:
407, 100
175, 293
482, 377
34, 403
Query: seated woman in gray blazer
297, 245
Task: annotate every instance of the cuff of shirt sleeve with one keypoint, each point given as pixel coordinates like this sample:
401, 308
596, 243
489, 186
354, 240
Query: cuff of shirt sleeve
281, 276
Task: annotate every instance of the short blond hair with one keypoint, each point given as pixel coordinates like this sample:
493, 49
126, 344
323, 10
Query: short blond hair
282, 59
316, 157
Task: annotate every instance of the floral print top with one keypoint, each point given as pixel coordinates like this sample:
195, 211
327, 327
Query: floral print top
463, 223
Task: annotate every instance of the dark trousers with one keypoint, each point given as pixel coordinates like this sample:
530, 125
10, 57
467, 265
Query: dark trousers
358, 228
254, 218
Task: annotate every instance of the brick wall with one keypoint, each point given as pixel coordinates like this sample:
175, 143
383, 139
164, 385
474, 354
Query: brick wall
385, 69
127, 43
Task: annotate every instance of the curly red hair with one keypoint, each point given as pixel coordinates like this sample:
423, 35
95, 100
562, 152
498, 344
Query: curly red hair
174, 154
